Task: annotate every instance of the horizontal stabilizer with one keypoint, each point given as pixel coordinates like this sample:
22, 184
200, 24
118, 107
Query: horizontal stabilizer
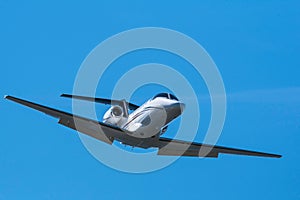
131, 106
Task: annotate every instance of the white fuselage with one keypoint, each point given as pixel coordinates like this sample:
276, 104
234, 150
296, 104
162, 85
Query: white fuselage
149, 119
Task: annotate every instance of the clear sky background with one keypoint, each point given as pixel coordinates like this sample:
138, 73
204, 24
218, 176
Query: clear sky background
255, 46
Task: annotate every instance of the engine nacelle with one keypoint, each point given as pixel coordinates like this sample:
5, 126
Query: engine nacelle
114, 115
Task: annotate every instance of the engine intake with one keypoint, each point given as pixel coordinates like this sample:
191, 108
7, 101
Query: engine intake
114, 115
116, 111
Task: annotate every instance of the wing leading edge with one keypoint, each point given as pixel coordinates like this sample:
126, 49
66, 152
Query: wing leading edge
106, 133
131, 106
172, 147
95, 129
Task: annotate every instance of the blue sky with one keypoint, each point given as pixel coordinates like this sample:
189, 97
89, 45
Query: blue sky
255, 46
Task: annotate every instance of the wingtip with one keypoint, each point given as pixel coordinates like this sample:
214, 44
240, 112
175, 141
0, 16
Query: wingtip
6, 97
274, 156
65, 95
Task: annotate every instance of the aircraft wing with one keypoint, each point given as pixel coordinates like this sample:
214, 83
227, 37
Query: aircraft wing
107, 133
84, 125
131, 106
170, 147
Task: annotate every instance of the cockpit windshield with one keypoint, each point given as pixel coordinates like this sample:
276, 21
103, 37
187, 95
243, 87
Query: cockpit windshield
166, 95
173, 97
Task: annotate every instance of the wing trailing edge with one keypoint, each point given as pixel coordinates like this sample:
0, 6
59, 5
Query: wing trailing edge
95, 129
178, 147
106, 133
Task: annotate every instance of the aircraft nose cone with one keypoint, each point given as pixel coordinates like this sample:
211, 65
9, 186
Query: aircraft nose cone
174, 110
177, 108
182, 107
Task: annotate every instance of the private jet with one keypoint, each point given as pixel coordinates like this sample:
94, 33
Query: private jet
143, 127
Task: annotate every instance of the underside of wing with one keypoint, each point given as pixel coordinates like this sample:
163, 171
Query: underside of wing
131, 106
95, 129
182, 148
107, 133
